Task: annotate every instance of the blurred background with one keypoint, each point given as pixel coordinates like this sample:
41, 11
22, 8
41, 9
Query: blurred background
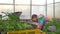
50, 8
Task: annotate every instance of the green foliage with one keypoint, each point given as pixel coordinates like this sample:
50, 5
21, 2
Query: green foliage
13, 24
56, 23
46, 26
53, 22
13, 17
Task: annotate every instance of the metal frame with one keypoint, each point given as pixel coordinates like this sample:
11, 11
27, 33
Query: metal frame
30, 7
14, 5
54, 8
46, 7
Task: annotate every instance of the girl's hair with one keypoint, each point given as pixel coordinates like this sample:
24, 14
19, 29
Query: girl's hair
34, 16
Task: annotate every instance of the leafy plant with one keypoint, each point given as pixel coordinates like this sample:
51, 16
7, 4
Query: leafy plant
56, 23
13, 24
53, 22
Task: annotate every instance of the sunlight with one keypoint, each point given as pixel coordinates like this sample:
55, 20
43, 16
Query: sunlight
22, 8
22, 1
38, 2
57, 0
6, 8
6, 1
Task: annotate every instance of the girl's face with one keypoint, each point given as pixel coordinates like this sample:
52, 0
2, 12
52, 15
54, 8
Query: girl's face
35, 19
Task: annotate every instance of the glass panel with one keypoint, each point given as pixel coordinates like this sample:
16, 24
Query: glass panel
57, 10
25, 11
50, 10
49, 1
22, 1
57, 0
6, 8
38, 10
39, 2
6, 1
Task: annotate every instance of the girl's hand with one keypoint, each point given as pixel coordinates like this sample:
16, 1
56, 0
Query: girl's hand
40, 26
48, 19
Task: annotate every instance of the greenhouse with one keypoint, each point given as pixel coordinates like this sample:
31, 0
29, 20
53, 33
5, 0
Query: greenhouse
29, 17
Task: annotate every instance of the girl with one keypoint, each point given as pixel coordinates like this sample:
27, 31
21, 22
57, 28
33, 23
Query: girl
41, 20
